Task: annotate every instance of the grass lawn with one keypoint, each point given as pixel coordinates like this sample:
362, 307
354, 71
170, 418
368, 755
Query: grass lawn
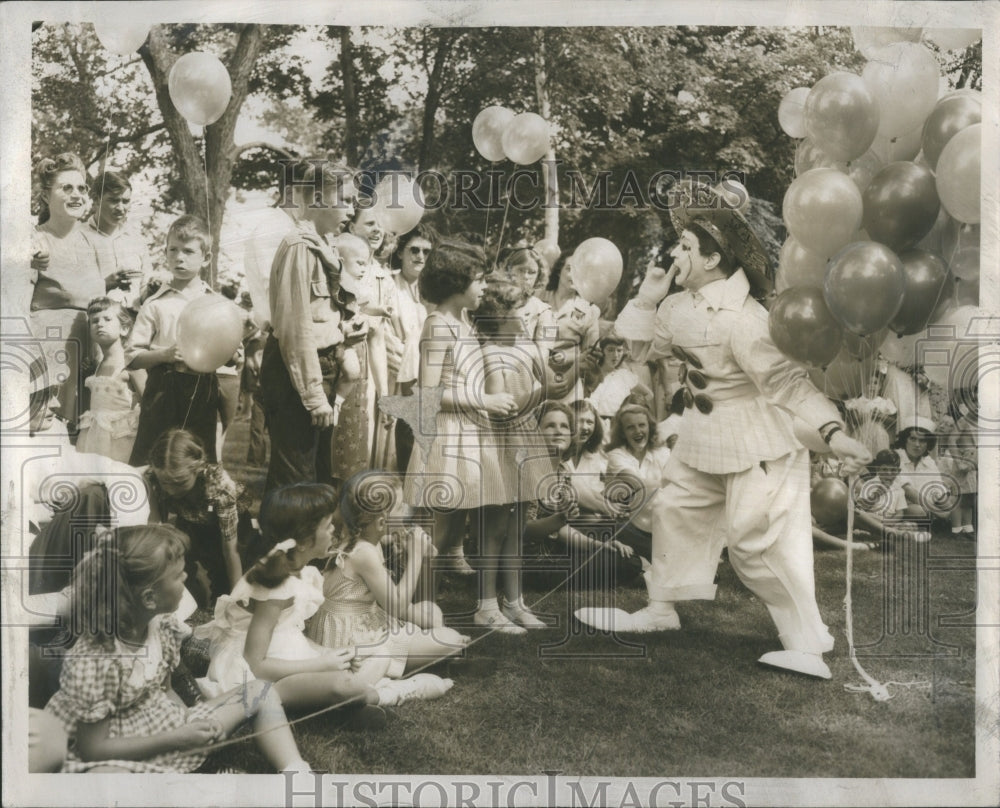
692, 702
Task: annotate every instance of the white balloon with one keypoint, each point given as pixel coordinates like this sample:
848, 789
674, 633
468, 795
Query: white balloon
121, 37
791, 112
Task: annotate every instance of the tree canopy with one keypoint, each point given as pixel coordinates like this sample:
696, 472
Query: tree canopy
624, 103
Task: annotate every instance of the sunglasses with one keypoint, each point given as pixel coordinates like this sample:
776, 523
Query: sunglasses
419, 250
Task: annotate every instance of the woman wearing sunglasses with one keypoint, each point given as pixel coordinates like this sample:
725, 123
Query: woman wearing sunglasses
409, 258
737, 475
65, 274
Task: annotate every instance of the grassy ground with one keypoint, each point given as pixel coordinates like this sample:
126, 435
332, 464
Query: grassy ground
695, 701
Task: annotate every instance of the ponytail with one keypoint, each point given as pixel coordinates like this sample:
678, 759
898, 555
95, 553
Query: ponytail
109, 581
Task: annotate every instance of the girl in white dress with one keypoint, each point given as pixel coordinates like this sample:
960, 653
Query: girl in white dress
108, 427
258, 631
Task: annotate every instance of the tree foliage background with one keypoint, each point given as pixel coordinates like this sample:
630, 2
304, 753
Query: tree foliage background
626, 101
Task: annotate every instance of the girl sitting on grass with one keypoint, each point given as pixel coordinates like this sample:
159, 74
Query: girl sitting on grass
364, 607
590, 541
115, 699
636, 471
258, 631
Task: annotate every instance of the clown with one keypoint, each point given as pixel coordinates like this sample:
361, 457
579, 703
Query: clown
737, 476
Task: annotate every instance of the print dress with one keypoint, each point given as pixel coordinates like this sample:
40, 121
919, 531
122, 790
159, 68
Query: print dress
130, 687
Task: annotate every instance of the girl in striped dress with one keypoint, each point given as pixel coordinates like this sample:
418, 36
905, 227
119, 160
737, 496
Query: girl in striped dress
450, 471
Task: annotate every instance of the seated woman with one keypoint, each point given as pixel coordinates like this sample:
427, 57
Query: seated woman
636, 471
919, 475
881, 499
585, 545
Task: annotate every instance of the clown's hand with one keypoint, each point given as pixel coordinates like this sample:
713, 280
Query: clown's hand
655, 285
854, 455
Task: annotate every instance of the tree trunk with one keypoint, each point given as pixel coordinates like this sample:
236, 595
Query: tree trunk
205, 180
550, 176
436, 77
352, 123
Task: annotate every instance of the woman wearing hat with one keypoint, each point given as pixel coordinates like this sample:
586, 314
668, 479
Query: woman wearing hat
737, 476
919, 474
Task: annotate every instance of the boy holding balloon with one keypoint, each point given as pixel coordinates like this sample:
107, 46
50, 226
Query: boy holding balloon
176, 395
737, 476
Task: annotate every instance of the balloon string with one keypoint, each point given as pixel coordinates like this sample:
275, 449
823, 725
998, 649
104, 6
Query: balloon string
503, 225
208, 210
489, 203
879, 691
194, 394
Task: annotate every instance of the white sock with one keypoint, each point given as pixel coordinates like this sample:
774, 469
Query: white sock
488, 605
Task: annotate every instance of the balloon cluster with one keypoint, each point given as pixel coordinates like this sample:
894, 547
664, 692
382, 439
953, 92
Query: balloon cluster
498, 133
883, 213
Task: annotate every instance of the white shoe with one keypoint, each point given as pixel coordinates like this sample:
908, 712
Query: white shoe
644, 621
497, 621
392, 692
522, 615
797, 661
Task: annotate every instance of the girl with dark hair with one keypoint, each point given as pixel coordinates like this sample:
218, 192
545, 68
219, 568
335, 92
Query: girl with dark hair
258, 631
449, 466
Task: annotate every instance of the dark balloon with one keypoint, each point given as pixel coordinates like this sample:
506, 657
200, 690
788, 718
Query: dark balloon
841, 115
829, 503
927, 283
864, 286
950, 116
803, 328
900, 205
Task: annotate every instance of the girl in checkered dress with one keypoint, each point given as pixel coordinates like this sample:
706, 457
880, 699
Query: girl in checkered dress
115, 699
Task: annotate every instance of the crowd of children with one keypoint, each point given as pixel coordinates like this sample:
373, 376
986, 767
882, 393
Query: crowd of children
534, 434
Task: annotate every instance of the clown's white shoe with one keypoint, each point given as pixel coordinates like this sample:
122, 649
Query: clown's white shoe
797, 661
644, 621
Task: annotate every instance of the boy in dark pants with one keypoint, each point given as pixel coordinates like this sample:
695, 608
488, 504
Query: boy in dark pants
175, 395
